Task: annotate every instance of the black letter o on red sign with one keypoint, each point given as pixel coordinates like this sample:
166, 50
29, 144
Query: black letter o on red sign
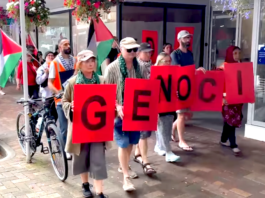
101, 115
201, 87
185, 77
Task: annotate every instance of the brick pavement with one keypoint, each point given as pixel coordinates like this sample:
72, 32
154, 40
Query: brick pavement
209, 172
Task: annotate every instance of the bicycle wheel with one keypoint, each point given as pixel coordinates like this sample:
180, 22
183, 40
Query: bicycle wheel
21, 134
56, 148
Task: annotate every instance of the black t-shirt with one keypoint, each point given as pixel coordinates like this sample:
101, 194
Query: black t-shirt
113, 54
180, 58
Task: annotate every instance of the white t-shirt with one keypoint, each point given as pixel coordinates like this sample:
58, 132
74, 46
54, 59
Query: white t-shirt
52, 69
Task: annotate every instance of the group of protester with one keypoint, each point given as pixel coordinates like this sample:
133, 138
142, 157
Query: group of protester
134, 61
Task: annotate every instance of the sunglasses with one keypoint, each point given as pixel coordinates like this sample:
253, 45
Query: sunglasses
132, 50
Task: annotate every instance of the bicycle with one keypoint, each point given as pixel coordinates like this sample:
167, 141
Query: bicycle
54, 137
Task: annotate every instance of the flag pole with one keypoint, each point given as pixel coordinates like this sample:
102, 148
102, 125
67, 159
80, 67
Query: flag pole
25, 77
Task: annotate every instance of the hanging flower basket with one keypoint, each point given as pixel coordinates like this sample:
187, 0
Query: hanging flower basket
243, 7
84, 10
36, 13
3, 17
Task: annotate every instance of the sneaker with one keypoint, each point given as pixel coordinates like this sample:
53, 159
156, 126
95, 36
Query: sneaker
236, 150
171, 157
132, 174
226, 144
2, 93
86, 190
128, 187
68, 156
159, 151
101, 195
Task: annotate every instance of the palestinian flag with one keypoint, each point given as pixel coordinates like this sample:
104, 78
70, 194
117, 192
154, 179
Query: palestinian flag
10, 53
99, 41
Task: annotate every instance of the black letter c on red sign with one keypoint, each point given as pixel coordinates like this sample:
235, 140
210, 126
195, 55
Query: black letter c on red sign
201, 88
185, 77
137, 104
101, 115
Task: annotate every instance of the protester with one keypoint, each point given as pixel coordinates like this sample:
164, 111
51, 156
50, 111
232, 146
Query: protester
88, 157
33, 87
43, 74
167, 48
40, 58
144, 60
232, 114
126, 66
165, 122
62, 63
183, 57
31, 49
113, 52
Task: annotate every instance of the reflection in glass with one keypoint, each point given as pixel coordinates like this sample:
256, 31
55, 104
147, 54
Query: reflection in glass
57, 29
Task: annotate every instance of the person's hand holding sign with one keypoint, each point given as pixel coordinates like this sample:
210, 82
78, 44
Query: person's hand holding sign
72, 106
201, 69
119, 109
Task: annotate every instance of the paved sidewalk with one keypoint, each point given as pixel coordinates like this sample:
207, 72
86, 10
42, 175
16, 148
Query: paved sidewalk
209, 172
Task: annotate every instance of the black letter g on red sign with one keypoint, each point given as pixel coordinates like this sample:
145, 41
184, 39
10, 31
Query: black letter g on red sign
101, 115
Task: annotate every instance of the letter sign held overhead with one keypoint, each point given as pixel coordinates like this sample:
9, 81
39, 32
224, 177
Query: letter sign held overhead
94, 113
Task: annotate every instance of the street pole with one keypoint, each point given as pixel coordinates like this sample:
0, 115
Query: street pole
25, 77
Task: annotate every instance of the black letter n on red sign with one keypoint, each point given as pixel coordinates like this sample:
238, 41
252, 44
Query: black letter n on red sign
166, 91
137, 104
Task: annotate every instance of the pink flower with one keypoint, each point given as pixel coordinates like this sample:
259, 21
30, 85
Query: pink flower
16, 7
88, 3
78, 2
97, 4
26, 4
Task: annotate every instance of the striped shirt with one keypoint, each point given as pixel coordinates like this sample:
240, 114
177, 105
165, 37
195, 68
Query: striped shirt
113, 76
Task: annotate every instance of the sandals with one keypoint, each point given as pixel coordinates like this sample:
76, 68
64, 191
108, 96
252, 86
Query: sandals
186, 148
147, 170
136, 159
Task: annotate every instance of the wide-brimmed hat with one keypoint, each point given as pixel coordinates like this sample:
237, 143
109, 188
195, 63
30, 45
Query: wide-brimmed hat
85, 55
183, 34
129, 43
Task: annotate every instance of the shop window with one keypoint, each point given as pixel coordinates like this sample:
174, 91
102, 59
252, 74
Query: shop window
58, 28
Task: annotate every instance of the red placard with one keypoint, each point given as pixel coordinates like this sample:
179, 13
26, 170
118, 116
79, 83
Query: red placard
94, 113
239, 83
185, 86
168, 86
209, 91
140, 105
190, 30
151, 37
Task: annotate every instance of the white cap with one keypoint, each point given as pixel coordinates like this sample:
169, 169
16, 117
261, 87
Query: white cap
129, 43
183, 34
85, 55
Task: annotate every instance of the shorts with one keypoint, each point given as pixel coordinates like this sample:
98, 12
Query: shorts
183, 110
124, 139
145, 134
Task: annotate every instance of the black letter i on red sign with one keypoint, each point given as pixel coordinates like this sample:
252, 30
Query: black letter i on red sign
239, 82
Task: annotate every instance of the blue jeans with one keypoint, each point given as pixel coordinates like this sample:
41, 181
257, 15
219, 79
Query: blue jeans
63, 122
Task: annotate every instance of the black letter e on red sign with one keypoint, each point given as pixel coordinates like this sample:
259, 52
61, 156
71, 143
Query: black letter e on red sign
137, 104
